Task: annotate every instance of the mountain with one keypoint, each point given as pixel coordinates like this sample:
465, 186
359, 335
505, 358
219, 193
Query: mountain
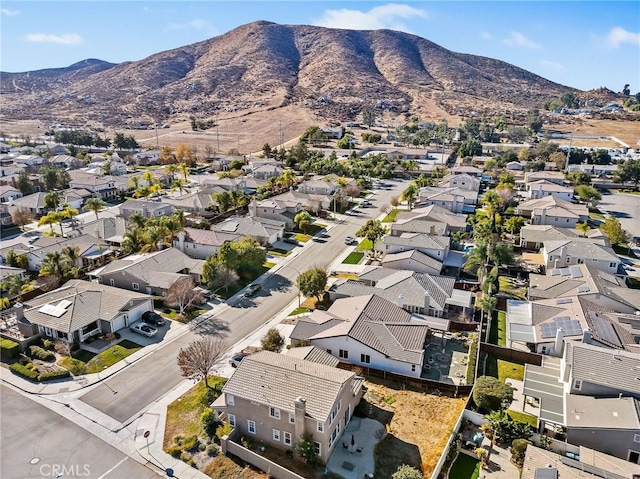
264, 65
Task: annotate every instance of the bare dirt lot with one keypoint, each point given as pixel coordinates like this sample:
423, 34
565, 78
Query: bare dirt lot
626, 131
419, 426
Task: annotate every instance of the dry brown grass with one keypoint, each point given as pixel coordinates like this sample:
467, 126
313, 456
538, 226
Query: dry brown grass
419, 427
221, 467
624, 130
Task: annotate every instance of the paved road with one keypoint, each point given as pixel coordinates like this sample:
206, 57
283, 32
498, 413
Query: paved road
37, 442
140, 384
626, 208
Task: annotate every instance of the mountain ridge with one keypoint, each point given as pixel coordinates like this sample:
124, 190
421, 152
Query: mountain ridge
267, 65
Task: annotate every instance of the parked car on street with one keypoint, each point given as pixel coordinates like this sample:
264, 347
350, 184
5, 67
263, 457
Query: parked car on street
144, 329
349, 240
251, 290
290, 240
152, 318
235, 360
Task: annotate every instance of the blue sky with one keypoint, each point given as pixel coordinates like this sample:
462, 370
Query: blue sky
580, 44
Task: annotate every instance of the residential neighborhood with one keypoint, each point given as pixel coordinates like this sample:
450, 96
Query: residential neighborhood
268, 311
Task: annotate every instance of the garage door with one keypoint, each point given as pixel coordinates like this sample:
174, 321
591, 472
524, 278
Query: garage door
118, 323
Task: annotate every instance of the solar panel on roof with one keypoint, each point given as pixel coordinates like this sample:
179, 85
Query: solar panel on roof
65, 303
546, 473
571, 327
564, 301
583, 289
555, 272
575, 272
605, 330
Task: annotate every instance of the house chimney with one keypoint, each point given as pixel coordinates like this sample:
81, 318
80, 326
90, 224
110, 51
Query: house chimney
432, 230
543, 216
400, 301
144, 210
300, 411
587, 335
97, 232
427, 302
181, 237
563, 254
18, 308
557, 349
254, 208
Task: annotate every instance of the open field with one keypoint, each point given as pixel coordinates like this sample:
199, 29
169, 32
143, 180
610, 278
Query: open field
418, 424
627, 131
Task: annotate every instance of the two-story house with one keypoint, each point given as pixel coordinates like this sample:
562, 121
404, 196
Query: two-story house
432, 220
463, 181
276, 209
278, 398
147, 209
202, 244
435, 246
101, 186
9, 193
543, 188
563, 253
533, 236
263, 230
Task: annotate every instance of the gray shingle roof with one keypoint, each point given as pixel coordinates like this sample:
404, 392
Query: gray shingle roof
278, 379
610, 368
416, 240
582, 248
314, 354
413, 255
89, 302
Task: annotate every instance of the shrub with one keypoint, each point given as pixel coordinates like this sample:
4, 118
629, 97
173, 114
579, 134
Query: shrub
489, 393
189, 443
306, 449
8, 349
518, 449
42, 354
209, 422
212, 450
24, 371
174, 450
24, 359
223, 429
48, 344
273, 341
62, 347
407, 472
185, 456
57, 374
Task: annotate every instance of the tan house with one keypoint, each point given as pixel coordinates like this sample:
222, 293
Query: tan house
277, 398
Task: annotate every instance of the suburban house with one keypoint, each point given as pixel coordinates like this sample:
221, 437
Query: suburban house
81, 309
463, 181
318, 187
67, 162
9, 193
276, 209
466, 170
227, 184
333, 133
551, 176
515, 166
456, 200
435, 246
110, 230
430, 220
101, 186
533, 236
91, 250
412, 260
543, 325
369, 331
146, 157
150, 273
265, 171
6, 270
420, 293
605, 289
196, 202
263, 230
201, 244
148, 209
543, 188
553, 211
595, 170
33, 202
591, 391
563, 253
29, 160
277, 398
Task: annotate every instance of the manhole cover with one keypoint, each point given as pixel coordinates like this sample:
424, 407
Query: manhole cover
35, 460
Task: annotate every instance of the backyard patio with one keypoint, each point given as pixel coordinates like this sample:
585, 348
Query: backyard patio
445, 360
353, 457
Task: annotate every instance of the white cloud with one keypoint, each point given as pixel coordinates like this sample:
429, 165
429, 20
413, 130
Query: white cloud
64, 39
382, 17
552, 65
10, 13
197, 24
619, 35
486, 35
517, 39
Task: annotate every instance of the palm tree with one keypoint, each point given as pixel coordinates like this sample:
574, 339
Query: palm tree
142, 191
133, 241
137, 220
177, 184
491, 202
52, 200
487, 305
134, 183
409, 195
171, 169
184, 169
477, 259
289, 178
67, 213
148, 177
583, 228
71, 257
16, 285
501, 254
95, 205
154, 236
179, 216
53, 264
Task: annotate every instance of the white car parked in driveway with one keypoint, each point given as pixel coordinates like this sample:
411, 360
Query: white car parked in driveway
144, 329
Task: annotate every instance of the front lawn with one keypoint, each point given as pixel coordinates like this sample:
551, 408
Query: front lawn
302, 238
391, 217
300, 310
353, 258
85, 362
364, 245
465, 467
269, 265
175, 315
596, 215
279, 252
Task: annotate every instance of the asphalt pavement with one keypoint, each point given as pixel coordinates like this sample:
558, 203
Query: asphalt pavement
141, 383
37, 442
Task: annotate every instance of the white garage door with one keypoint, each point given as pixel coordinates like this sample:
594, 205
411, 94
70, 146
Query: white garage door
118, 323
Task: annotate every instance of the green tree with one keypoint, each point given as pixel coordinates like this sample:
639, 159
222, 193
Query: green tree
50, 219
409, 195
344, 142
94, 204
469, 148
579, 178
16, 285
490, 393
184, 169
224, 200
588, 194
52, 200
245, 257
272, 341
216, 275
407, 472
583, 228
24, 184
313, 282
628, 171
613, 229
306, 449
518, 450
303, 220
513, 224
368, 115
373, 231
267, 150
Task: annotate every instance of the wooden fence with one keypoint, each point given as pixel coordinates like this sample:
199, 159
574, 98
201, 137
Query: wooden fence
512, 355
